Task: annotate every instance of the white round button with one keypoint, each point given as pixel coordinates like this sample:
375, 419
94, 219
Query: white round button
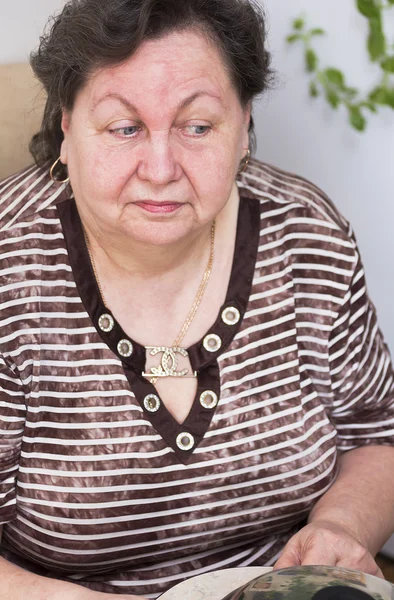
231, 315
106, 323
212, 343
125, 348
185, 441
209, 399
152, 403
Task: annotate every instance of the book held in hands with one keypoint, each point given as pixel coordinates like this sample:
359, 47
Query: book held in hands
293, 583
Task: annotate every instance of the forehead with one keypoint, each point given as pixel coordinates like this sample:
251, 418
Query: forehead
169, 67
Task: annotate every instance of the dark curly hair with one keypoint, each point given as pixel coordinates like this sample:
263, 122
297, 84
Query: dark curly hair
92, 34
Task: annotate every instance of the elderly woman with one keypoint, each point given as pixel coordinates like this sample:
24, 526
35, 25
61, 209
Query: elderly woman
192, 374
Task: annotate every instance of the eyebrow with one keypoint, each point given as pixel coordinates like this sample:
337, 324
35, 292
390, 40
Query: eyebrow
182, 105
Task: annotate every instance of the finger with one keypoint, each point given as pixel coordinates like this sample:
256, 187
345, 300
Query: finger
379, 573
367, 565
289, 558
320, 554
286, 561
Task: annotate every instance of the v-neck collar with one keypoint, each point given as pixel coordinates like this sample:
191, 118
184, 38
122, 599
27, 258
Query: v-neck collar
202, 360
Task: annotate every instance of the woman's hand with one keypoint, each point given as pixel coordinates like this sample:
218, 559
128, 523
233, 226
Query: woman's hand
326, 543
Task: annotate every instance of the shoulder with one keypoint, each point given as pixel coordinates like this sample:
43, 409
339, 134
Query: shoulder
300, 229
30, 230
24, 196
32, 244
289, 193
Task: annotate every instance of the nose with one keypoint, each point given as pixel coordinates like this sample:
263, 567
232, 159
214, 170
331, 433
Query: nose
158, 164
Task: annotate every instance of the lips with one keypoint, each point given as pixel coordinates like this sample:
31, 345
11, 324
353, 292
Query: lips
159, 207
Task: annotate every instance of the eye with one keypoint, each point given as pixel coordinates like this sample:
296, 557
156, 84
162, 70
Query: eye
197, 130
128, 131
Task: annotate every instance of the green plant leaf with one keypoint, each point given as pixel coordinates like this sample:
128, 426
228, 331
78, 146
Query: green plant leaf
388, 63
319, 31
299, 24
311, 60
332, 98
370, 105
332, 81
293, 38
357, 119
313, 90
376, 39
368, 8
350, 92
390, 96
335, 77
379, 95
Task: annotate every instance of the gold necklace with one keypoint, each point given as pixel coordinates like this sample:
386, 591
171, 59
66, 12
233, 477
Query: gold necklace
169, 361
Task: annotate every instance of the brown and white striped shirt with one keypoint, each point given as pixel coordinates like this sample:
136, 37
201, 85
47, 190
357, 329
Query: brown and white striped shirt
95, 487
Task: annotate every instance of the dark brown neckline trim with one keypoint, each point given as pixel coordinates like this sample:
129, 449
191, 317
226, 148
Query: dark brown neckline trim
202, 361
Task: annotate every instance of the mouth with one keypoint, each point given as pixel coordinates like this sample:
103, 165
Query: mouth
159, 207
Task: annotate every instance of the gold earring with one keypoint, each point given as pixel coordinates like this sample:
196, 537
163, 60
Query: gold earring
51, 173
246, 161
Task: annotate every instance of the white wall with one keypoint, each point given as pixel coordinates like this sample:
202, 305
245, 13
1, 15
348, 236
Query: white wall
21, 23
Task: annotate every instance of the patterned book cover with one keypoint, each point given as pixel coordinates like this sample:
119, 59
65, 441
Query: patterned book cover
294, 583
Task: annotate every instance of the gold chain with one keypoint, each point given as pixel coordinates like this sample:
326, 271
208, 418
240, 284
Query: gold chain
197, 300
94, 267
200, 292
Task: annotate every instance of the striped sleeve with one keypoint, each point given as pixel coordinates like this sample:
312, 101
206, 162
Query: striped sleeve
361, 372
12, 418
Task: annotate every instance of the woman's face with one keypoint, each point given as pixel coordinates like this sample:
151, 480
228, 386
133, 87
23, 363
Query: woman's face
153, 145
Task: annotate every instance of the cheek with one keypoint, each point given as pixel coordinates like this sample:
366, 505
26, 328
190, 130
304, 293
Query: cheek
104, 171
217, 164
212, 176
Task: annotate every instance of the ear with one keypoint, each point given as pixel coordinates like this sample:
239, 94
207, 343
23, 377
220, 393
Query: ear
65, 125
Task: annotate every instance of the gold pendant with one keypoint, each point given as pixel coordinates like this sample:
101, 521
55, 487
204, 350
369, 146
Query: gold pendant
169, 362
